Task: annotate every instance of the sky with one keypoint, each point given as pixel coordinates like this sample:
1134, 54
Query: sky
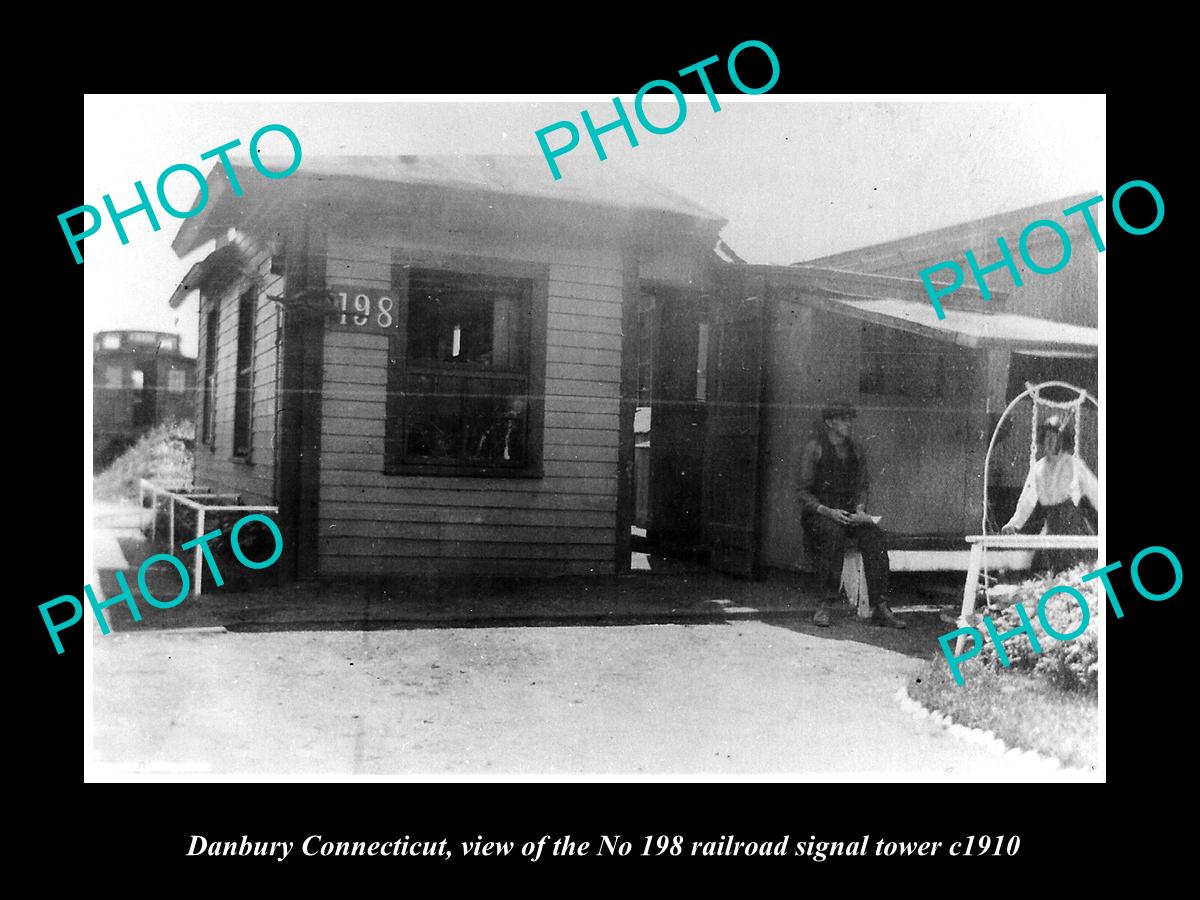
797, 177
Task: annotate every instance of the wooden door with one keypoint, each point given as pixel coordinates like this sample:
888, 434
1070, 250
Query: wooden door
731, 470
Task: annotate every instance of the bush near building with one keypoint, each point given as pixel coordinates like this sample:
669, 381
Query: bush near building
163, 454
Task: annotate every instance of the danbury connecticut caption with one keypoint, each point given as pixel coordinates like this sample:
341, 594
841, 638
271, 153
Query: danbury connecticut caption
649, 845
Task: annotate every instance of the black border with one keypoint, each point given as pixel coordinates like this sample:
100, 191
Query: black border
1147, 467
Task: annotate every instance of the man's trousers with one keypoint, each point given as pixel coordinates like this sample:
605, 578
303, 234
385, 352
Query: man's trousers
825, 541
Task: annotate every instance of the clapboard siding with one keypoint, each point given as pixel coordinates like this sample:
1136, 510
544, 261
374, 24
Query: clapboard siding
574, 421
215, 466
567, 337
583, 405
452, 551
582, 307
367, 563
472, 533
491, 517
561, 523
440, 499
587, 355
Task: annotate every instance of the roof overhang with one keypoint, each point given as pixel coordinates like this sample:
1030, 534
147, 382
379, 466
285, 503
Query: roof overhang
223, 264
1023, 334
903, 304
375, 187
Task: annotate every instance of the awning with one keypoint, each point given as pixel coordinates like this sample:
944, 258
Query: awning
969, 328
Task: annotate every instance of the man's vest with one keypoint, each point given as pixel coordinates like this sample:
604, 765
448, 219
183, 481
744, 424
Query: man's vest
836, 481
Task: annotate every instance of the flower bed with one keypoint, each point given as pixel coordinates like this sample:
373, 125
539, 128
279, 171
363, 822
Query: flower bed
1072, 665
1043, 701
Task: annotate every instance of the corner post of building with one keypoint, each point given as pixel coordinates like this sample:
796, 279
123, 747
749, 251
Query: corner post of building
630, 288
298, 444
312, 394
765, 289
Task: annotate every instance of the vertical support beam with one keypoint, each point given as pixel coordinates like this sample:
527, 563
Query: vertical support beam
197, 571
630, 288
298, 420
312, 394
767, 325
969, 590
171, 532
993, 386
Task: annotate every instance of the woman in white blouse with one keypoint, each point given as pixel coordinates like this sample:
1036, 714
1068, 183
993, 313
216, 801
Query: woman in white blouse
1056, 484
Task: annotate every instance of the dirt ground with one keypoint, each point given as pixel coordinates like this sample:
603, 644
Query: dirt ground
744, 697
682, 672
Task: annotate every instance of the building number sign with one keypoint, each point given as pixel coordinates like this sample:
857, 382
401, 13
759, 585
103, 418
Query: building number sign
365, 309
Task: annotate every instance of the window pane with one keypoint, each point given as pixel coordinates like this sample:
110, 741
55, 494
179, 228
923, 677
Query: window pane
494, 412
112, 376
112, 341
467, 321
176, 381
138, 378
433, 419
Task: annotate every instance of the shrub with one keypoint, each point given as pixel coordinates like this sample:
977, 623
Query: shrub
1068, 665
163, 454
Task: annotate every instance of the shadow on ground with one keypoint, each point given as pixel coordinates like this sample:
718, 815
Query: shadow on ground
687, 594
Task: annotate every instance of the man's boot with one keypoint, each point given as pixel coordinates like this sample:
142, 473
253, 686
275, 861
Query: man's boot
884, 614
821, 617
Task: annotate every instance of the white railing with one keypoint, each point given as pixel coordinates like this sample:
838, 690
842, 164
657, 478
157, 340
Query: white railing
184, 495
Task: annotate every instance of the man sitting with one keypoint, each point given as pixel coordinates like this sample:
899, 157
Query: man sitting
833, 481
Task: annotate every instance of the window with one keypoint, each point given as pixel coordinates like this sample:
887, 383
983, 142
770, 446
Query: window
176, 381
145, 400
209, 412
113, 376
462, 397
645, 349
111, 342
243, 403
702, 363
901, 364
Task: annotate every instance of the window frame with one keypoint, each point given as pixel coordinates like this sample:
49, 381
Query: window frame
467, 266
208, 412
243, 376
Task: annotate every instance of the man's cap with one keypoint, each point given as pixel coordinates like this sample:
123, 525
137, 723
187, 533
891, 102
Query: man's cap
839, 409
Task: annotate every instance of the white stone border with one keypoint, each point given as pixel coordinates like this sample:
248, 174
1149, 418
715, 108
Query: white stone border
986, 739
